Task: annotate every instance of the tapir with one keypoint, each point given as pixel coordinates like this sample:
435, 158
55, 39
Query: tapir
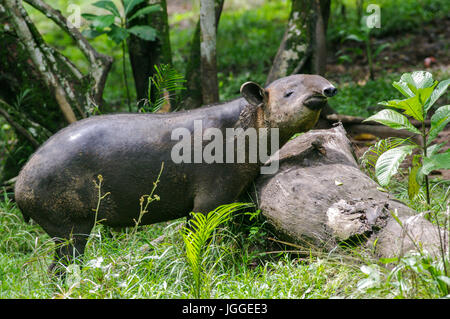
57, 187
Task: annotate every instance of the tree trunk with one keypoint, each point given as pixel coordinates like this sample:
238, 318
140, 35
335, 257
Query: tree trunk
303, 47
208, 63
320, 198
193, 96
145, 54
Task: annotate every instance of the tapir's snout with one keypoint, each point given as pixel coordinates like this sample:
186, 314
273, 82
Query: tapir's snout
330, 91
318, 100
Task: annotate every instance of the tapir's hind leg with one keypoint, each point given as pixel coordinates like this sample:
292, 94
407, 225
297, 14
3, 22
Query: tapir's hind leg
68, 250
70, 242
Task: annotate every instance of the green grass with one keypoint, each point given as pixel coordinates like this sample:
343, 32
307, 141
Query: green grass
362, 100
114, 269
241, 263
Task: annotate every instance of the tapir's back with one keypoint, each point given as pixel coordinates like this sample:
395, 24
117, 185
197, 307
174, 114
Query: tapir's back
128, 151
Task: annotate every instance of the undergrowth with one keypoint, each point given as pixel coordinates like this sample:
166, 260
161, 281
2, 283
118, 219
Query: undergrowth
242, 263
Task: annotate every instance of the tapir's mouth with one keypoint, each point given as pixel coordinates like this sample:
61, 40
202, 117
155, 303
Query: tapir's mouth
315, 102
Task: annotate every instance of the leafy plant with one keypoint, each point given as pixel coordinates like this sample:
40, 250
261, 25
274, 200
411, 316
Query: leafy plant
411, 274
197, 237
115, 26
362, 34
416, 270
421, 92
167, 83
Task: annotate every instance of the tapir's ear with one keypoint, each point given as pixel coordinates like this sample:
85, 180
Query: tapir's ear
253, 93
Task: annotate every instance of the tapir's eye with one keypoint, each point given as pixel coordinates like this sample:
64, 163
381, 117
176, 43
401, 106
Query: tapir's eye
288, 94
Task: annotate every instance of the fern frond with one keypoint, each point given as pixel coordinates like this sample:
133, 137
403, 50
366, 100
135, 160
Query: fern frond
197, 236
166, 79
369, 158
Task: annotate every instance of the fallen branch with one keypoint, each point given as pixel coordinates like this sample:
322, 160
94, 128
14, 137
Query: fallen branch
348, 119
382, 132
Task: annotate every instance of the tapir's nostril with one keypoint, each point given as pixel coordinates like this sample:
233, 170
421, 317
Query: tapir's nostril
330, 91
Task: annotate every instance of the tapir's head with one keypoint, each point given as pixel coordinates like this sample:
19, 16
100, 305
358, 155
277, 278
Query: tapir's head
291, 103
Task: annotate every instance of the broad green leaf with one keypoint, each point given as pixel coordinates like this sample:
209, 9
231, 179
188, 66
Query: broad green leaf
439, 120
107, 5
425, 93
437, 92
413, 184
130, 4
417, 80
436, 161
144, 32
433, 149
118, 34
394, 120
410, 106
102, 22
403, 88
388, 163
145, 11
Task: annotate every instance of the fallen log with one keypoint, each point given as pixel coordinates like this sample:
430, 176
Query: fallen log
356, 127
320, 197
349, 119
382, 132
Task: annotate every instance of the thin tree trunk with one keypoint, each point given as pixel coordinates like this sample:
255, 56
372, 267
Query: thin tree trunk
193, 95
208, 66
303, 46
145, 54
319, 57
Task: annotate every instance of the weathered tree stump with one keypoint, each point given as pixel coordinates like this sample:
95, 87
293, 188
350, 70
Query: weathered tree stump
320, 197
